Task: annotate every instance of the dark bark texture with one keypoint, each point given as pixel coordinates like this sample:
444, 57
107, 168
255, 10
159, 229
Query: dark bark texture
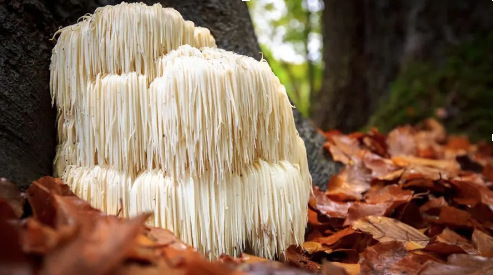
367, 43
342, 104
27, 121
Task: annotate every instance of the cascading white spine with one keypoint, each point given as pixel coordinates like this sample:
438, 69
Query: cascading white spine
204, 138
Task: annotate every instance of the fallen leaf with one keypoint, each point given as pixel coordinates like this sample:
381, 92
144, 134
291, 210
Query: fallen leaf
38, 238
247, 258
405, 161
401, 142
349, 184
483, 243
418, 171
351, 269
392, 258
311, 247
375, 142
332, 239
271, 268
328, 268
488, 172
433, 206
467, 164
453, 217
343, 148
40, 196
330, 207
449, 242
390, 193
458, 143
296, 257
101, 249
13, 260
11, 194
386, 229
380, 167
470, 193
361, 210
460, 264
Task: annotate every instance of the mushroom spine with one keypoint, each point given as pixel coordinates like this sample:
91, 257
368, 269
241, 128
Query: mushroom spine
151, 114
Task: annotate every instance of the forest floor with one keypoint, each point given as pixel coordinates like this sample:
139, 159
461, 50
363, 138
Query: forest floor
415, 201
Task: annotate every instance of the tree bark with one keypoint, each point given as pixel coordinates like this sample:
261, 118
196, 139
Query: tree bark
342, 102
27, 120
368, 43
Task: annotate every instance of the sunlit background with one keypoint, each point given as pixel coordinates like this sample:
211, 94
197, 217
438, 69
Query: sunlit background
289, 33
390, 62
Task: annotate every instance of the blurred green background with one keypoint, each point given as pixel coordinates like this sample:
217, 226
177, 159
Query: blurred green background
354, 64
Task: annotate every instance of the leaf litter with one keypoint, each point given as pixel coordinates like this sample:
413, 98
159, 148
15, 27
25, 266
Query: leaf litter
415, 201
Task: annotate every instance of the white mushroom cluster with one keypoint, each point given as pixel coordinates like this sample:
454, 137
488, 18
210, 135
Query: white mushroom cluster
152, 117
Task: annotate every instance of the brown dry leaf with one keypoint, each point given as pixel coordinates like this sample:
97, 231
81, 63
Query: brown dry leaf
471, 193
461, 264
380, 168
433, 206
271, 268
401, 142
419, 184
12, 259
149, 243
406, 161
313, 219
101, 248
349, 184
418, 171
332, 239
351, 269
390, 193
38, 238
458, 143
392, 176
483, 243
392, 258
251, 259
346, 239
11, 194
296, 257
329, 268
453, 217
162, 237
488, 172
40, 196
361, 210
330, 207
343, 148
449, 242
312, 247
434, 130
187, 262
386, 229
375, 142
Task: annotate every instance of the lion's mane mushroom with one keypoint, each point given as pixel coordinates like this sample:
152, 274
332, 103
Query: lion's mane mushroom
204, 138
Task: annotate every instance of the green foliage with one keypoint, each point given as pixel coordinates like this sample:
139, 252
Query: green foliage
295, 23
462, 87
293, 77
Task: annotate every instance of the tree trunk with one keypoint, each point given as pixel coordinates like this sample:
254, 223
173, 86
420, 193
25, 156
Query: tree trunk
342, 102
368, 43
27, 120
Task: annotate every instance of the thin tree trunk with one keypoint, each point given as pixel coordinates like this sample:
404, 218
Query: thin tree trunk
342, 102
